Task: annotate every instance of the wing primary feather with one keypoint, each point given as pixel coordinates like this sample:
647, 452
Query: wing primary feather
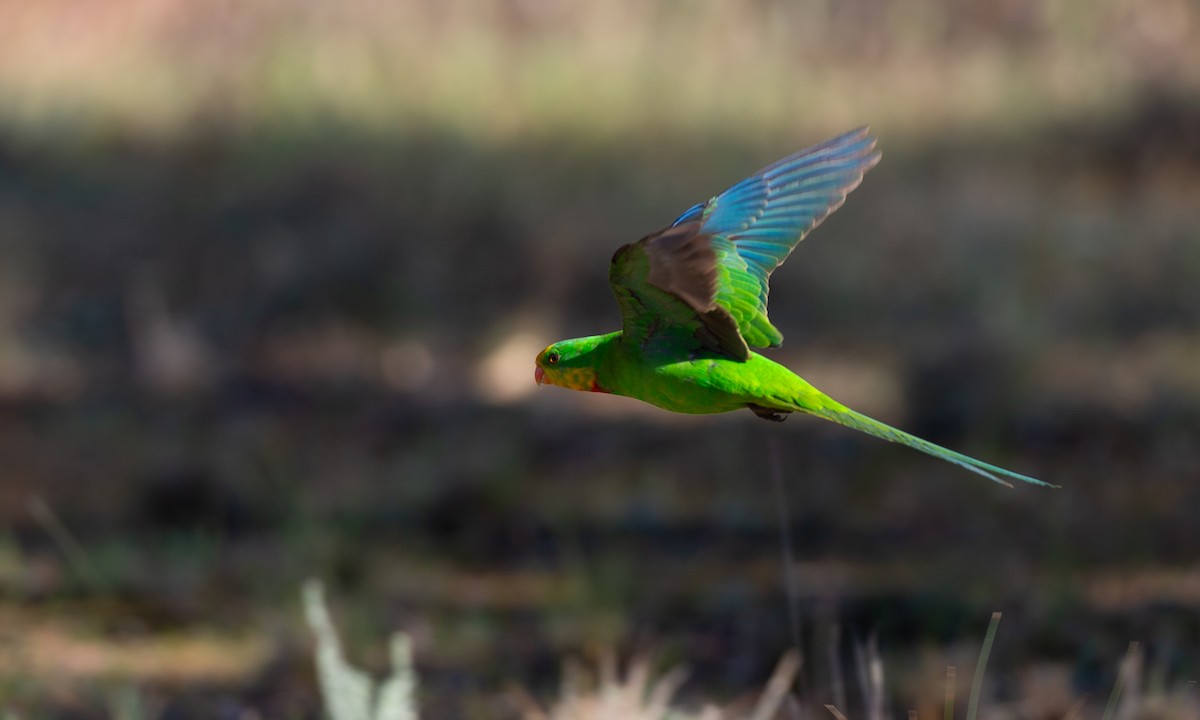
709, 270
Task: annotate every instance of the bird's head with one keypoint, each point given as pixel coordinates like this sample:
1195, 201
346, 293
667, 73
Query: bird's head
570, 364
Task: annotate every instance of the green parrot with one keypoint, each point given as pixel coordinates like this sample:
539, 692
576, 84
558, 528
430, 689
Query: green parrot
693, 300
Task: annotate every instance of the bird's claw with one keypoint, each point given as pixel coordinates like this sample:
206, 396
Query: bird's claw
768, 413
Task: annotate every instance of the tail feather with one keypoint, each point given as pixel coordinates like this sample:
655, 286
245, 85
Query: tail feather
851, 419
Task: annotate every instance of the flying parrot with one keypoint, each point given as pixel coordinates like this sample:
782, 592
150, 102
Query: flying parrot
693, 300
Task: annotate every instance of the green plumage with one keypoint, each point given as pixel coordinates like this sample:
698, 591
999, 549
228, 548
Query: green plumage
693, 301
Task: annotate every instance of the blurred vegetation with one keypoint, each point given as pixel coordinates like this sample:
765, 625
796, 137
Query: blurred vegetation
272, 276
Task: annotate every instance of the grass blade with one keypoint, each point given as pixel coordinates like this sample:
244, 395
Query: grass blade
951, 683
977, 682
835, 712
777, 687
1122, 678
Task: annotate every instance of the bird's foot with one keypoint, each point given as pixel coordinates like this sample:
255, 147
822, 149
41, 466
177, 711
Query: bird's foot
768, 413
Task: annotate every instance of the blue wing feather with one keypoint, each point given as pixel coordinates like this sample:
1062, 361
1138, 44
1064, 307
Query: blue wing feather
755, 224
692, 213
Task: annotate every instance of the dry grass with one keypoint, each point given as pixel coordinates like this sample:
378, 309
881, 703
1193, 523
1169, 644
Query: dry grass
491, 69
604, 692
63, 654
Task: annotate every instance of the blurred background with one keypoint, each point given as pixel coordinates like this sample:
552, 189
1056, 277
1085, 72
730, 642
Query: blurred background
273, 274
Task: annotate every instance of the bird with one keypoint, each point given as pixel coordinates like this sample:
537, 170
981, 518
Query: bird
693, 300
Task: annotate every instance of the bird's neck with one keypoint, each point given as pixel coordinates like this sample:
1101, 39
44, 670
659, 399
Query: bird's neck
602, 360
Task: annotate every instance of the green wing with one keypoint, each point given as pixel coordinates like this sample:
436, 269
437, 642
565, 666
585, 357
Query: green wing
706, 276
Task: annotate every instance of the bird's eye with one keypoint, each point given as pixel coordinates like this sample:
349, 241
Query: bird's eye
553, 358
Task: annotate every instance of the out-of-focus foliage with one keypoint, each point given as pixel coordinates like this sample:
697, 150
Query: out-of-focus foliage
499, 69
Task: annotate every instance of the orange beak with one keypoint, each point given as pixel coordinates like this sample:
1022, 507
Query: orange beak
539, 376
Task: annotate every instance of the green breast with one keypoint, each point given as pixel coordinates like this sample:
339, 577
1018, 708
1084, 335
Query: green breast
706, 384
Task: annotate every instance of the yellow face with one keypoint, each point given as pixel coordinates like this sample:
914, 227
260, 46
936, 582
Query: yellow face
556, 366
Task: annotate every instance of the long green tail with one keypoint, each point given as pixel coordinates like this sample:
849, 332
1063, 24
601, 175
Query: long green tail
843, 415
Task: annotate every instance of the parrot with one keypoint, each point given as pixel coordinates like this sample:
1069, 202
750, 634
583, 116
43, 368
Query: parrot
693, 301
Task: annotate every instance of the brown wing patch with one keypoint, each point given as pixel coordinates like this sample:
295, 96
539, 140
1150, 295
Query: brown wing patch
720, 332
683, 263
